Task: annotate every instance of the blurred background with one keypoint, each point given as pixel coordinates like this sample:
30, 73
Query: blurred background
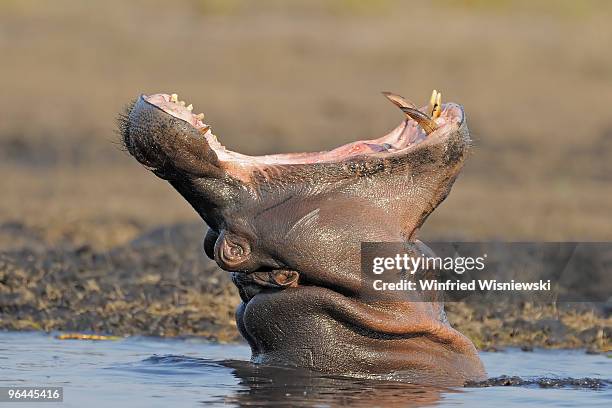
274, 76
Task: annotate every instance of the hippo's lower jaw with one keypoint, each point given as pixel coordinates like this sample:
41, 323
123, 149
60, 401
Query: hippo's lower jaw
289, 227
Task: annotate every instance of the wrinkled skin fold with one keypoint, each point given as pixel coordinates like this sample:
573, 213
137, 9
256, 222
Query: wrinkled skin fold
289, 227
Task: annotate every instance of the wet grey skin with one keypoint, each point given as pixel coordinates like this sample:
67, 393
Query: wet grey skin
289, 227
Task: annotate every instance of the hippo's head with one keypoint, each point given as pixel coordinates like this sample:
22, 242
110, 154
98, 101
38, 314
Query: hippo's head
290, 225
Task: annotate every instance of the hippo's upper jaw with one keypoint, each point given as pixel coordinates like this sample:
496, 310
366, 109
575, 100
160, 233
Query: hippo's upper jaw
290, 227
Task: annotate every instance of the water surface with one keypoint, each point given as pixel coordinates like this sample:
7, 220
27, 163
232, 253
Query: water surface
154, 372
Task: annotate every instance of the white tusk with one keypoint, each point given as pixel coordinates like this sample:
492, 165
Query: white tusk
438, 106
432, 102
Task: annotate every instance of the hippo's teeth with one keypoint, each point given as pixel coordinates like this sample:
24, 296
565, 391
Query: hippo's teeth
174, 98
432, 102
190, 107
398, 100
182, 103
199, 116
424, 121
437, 110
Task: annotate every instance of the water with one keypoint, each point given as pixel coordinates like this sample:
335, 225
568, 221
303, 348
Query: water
150, 372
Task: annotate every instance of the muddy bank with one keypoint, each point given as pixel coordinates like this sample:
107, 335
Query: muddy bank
162, 284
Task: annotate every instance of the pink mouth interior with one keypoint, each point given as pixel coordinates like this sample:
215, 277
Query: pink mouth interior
405, 136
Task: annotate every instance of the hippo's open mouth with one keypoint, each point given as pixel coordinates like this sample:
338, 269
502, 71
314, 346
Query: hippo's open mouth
401, 176
418, 127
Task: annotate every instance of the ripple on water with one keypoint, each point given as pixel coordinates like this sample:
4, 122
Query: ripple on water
163, 372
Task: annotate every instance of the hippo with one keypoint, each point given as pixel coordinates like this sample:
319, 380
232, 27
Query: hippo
289, 229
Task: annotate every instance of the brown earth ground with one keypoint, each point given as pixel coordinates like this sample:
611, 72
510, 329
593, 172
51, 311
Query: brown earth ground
91, 242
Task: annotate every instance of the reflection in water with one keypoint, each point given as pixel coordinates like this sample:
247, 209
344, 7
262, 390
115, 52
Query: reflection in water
262, 385
266, 385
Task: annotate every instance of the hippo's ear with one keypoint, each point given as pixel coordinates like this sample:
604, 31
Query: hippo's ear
233, 252
209, 243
